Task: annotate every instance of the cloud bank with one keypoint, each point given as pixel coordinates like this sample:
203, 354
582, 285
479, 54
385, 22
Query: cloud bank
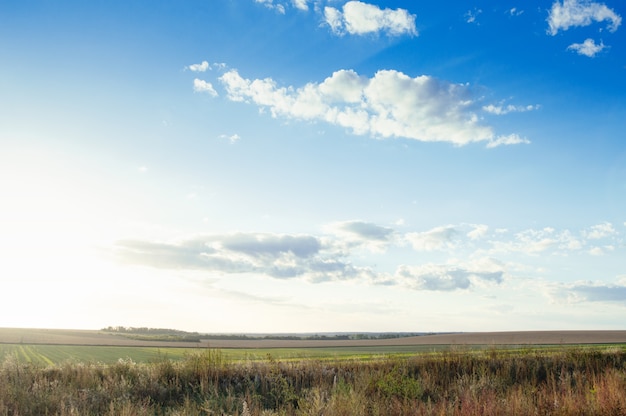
475, 256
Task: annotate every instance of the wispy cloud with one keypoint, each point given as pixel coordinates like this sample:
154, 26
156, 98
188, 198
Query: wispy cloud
587, 48
572, 13
500, 109
450, 277
232, 138
364, 230
358, 18
390, 104
438, 238
599, 231
280, 8
588, 291
472, 15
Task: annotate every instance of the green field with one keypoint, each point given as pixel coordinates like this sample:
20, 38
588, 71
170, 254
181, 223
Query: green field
57, 354
41, 354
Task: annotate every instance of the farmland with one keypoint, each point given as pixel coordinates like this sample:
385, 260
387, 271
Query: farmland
97, 373
54, 346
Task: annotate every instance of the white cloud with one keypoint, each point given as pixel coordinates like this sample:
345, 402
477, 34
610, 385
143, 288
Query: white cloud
390, 104
450, 277
203, 86
507, 140
275, 255
534, 242
501, 109
479, 231
271, 5
360, 18
201, 67
515, 12
301, 4
571, 13
600, 231
334, 19
587, 48
205, 66
334, 256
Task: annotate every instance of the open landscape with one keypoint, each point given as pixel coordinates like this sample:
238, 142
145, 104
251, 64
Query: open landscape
78, 372
312, 208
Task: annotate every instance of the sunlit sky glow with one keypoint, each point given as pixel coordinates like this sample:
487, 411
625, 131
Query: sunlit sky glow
313, 165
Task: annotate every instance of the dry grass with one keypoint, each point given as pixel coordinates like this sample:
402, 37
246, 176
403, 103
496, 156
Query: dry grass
494, 382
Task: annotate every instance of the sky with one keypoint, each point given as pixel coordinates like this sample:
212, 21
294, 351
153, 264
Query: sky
313, 165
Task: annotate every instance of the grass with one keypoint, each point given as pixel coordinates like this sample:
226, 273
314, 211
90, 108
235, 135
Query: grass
457, 381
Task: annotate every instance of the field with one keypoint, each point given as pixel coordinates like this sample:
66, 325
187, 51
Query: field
563, 373
54, 346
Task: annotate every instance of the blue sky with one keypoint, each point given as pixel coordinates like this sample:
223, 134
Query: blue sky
313, 165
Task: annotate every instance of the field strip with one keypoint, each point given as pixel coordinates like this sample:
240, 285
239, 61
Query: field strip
519, 338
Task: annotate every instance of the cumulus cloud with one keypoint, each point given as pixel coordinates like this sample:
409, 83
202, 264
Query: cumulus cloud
571, 13
204, 86
390, 104
201, 67
587, 48
358, 18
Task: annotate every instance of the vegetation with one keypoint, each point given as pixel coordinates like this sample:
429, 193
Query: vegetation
581, 381
165, 334
154, 334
